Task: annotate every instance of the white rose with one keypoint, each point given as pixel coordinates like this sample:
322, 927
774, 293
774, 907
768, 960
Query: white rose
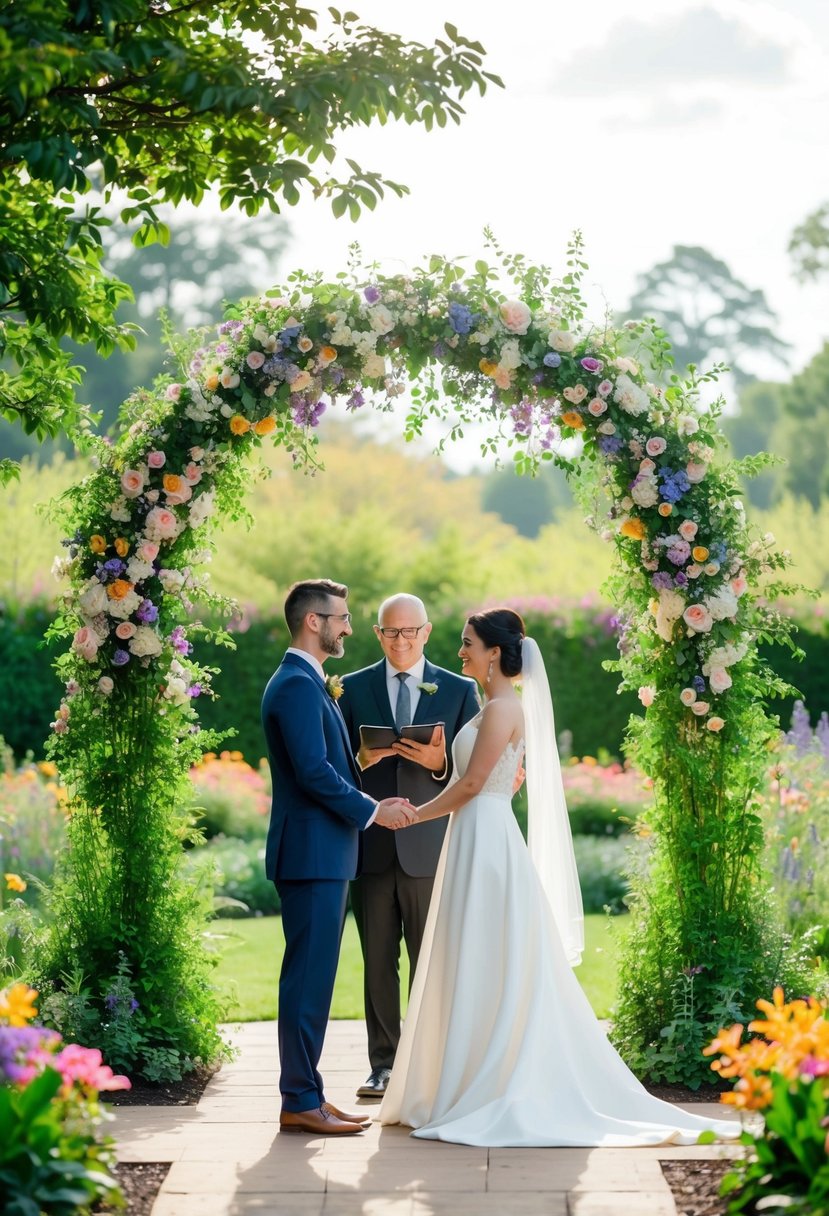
145, 643
722, 604
125, 607
374, 367
106, 685
562, 341
687, 424
719, 679
606, 428
94, 599
201, 509
630, 397
381, 319
138, 570
176, 690
668, 611
645, 493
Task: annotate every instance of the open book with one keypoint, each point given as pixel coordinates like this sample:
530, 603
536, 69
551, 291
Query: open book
384, 736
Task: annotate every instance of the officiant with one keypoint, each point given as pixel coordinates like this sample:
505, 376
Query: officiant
390, 898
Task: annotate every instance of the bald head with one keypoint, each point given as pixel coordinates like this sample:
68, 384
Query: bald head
397, 614
402, 602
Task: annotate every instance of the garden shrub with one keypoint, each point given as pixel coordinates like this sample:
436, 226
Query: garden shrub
603, 864
237, 873
230, 798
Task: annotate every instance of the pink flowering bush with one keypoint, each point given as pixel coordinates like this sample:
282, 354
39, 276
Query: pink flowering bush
230, 797
53, 1155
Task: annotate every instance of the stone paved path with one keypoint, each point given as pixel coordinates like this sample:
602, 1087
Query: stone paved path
228, 1157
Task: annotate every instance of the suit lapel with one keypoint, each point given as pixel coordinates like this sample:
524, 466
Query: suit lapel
426, 702
381, 694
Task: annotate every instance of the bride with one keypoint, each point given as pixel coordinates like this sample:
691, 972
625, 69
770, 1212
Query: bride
500, 1046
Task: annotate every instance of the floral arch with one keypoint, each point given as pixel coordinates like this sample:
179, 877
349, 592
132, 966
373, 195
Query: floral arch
654, 481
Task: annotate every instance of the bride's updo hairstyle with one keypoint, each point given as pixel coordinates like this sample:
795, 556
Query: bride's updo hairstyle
505, 628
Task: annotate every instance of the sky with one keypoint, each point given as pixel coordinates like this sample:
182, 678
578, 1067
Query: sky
644, 123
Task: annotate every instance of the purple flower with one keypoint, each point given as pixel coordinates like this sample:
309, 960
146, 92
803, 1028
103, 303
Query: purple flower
355, 400
178, 640
552, 359
800, 735
521, 416
287, 335
306, 413
698, 684
461, 317
231, 327
439, 349
111, 1001
371, 294
610, 445
195, 690
679, 552
662, 581
591, 365
147, 612
120, 657
681, 578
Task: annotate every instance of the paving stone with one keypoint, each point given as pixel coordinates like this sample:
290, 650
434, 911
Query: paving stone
620, 1203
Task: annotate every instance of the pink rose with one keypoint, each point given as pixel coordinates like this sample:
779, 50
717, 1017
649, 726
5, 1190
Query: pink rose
152, 496
255, 359
646, 466
715, 724
86, 643
60, 726
106, 685
700, 708
148, 551
132, 483
72, 688
516, 316
597, 407
698, 618
688, 696
124, 630
161, 524
655, 446
712, 568
192, 473
695, 471
688, 529
605, 388
173, 392
693, 571
739, 584
182, 494
196, 453
719, 679
501, 377
647, 694
156, 460
575, 394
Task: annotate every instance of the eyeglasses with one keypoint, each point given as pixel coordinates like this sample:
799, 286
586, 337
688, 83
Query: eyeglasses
408, 631
336, 616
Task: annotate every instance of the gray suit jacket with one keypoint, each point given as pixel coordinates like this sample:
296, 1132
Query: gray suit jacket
365, 702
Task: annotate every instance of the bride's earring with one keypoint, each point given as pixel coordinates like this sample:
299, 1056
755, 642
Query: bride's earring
489, 672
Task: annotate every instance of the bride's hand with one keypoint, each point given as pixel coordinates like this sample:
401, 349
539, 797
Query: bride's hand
520, 778
431, 755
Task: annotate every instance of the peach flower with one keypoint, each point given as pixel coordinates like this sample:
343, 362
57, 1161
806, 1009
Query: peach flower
516, 316
688, 696
132, 483
698, 618
715, 724
688, 529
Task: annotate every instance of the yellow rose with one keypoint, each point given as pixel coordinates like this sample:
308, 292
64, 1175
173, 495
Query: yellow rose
634, 528
264, 426
488, 367
239, 425
572, 419
122, 547
15, 883
97, 543
118, 589
699, 553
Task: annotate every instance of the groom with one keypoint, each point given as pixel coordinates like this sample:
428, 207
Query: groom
317, 813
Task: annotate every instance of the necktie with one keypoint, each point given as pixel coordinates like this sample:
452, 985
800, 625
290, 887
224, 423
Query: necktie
403, 709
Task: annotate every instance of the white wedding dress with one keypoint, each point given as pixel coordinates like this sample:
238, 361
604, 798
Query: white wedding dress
500, 1046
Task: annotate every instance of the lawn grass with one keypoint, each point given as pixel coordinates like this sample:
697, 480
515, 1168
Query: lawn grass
251, 954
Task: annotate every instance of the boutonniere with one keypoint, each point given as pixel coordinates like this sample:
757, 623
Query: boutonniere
429, 689
334, 687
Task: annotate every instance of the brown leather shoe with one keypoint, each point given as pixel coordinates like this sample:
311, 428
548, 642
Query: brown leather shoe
365, 1120
318, 1122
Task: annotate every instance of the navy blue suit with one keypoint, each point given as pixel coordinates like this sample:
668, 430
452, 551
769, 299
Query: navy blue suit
317, 813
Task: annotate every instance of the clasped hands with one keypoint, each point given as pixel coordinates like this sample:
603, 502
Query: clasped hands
395, 813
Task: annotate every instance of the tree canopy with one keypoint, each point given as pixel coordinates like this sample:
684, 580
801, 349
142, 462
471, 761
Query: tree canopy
162, 101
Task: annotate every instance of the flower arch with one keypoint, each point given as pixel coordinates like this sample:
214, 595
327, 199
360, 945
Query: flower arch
654, 481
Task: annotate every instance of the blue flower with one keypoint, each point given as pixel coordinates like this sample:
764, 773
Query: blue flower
120, 658
552, 359
461, 317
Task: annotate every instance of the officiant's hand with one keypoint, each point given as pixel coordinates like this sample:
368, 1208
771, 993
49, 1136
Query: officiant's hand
431, 755
395, 813
367, 756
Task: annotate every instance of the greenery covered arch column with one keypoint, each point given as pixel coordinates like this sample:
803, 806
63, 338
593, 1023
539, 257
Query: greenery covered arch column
652, 476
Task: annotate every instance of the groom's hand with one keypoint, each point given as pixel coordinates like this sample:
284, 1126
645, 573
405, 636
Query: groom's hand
395, 813
431, 755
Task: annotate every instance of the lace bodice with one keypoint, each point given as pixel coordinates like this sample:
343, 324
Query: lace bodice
502, 778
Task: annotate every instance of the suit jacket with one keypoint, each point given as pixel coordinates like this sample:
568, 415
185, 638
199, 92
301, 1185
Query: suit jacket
366, 702
318, 808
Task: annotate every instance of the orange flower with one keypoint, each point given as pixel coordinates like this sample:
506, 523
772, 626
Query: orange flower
239, 425
15, 883
488, 367
122, 547
634, 528
118, 589
171, 482
212, 382
97, 543
327, 354
17, 1005
573, 419
665, 509
264, 426
699, 553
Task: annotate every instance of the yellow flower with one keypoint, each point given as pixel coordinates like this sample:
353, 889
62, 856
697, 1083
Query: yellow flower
97, 543
699, 553
239, 425
15, 883
264, 426
122, 547
488, 367
212, 382
118, 589
634, 528
48, 768
17, 1005
573, 419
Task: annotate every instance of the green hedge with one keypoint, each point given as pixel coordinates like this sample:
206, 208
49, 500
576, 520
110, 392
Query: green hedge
574, 644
